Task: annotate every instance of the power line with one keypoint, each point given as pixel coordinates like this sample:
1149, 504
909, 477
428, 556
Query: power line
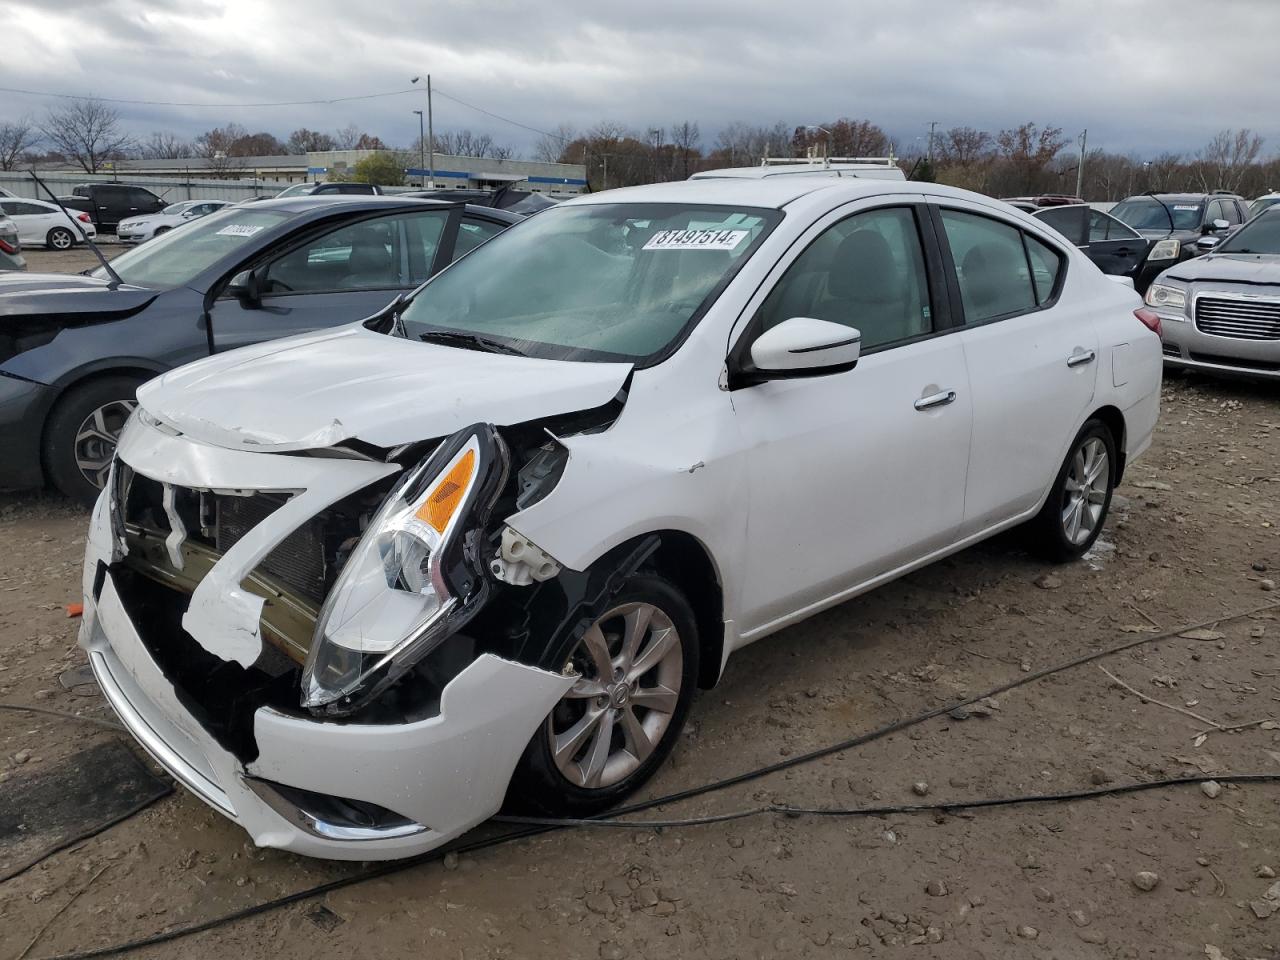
177, 103
516, 123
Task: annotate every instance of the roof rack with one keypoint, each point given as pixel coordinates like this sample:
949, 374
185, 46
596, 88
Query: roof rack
1229, 193
889, 161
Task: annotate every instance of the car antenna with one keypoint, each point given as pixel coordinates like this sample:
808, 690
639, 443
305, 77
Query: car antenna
115, 277
1167, 212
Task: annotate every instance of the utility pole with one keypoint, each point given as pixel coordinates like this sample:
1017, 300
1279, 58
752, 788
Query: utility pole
933, 125
1084, 142
422, 148
431, 136
606, 171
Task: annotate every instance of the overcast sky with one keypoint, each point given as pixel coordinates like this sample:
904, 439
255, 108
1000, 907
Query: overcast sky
1143, 75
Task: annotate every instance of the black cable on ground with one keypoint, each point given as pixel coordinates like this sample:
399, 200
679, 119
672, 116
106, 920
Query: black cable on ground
398, 866
27, 708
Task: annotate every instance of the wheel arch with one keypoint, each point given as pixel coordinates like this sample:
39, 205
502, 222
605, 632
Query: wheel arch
80, 378
1113, 420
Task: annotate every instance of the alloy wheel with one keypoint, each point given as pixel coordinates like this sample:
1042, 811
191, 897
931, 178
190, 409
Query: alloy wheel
61, 240
629, 665
1085, 491
95, 441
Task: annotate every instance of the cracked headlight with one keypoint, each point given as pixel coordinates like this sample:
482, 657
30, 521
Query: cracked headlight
412, 580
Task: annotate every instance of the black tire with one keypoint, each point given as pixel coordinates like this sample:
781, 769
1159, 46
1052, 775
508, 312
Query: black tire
160, 230
538, 786
71, 411
60, 238
1048, 533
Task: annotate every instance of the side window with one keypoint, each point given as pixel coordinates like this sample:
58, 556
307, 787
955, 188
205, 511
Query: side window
865, 272
472, 233
1072, 222
1046, 265
1105, 227
991, 266
1234, 214
376, 254
1215, 213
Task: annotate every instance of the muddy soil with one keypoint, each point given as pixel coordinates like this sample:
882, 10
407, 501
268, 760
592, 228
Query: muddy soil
1193, 536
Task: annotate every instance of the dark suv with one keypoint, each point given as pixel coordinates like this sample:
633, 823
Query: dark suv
109, 203
1178, 220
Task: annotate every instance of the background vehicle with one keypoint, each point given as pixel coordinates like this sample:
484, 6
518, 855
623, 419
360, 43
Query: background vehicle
1264, 202
109, 203
1114, 246
10, 246
138, 229
542, 502
1221, 312
240, 276
44, 224
1178, 220
1031, 204
504, 198
319, 189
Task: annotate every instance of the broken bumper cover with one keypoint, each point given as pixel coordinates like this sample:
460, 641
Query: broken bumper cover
338, 790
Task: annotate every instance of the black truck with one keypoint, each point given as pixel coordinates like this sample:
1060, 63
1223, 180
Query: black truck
109, 203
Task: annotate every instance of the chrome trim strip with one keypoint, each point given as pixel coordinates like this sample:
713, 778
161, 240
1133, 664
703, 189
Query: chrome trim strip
317, 827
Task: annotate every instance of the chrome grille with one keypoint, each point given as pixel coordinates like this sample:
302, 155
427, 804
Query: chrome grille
1239, 318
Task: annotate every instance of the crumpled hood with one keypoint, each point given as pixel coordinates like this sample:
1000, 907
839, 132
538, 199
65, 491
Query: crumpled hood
67, 295
1230, 268
321, 389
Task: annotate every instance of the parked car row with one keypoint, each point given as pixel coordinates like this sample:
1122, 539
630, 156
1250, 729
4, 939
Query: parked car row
45, 224
480, 544
140, 229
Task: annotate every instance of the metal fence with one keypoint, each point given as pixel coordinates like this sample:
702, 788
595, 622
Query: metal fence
172, 189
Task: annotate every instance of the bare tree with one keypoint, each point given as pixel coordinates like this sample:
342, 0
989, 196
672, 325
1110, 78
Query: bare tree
86, 131
963, 146
1225, 159
347, 137
218, 148
303, 140
16, 138
551, 146
687, 139
162, 145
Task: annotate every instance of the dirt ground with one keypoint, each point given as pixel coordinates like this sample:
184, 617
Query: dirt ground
1193, 536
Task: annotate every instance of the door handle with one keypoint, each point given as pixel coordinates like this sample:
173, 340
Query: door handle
936, 400
1079, 359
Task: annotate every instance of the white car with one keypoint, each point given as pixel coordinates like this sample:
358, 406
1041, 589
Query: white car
140, 229
355, 588
44, 224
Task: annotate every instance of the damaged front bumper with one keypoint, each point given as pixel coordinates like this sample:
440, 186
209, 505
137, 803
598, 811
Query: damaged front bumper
354, 790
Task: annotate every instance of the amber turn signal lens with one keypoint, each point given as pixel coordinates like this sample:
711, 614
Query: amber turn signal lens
443, 501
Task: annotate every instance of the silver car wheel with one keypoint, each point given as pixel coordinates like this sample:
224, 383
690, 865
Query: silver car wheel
629, 664
1085, 493
61, 239
95, 442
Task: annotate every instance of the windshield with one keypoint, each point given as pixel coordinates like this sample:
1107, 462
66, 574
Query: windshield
1147, 213
1261, 235
174, 209
1262, 203
298, 189
177, 257
594, 282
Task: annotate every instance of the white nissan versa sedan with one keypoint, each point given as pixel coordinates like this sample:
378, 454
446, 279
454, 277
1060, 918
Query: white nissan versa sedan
356, 588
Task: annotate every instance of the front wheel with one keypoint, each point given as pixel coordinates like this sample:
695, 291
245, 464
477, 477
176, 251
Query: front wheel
60, 238
637, 668
81, 433
1077, 505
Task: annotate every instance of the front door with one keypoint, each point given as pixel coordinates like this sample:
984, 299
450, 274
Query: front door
854, 474
343, 275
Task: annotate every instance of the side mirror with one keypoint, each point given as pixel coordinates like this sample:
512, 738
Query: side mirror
1217, 225
1206, 244
805, 347
246, 286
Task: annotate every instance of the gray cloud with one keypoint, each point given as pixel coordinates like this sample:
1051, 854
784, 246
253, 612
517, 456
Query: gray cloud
1144, 77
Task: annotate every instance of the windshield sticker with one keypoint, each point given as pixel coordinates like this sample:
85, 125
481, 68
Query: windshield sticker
239, 230
696, 239
1185, 206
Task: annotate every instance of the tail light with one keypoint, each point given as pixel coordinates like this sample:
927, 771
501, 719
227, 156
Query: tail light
84, 218
7, 247
1150, 319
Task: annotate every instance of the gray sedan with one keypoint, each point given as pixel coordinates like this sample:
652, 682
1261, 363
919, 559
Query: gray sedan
1221, 312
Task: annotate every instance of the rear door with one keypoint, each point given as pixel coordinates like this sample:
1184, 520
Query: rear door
32, 219
340, 274
1115, 247
1031, 356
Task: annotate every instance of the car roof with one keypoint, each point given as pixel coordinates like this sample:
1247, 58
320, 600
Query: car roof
763, 172
1184, 197
369, 202
770, 192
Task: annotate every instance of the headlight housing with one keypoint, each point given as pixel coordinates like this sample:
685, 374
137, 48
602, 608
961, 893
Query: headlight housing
1164, 297
1165, 250
412, 580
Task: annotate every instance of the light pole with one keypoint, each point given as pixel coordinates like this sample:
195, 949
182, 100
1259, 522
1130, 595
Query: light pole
431, 136
422, 146
814, 126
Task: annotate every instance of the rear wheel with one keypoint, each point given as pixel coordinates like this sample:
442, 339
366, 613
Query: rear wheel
160, 230
60, 238
637, 668
81, 433
1077, 505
